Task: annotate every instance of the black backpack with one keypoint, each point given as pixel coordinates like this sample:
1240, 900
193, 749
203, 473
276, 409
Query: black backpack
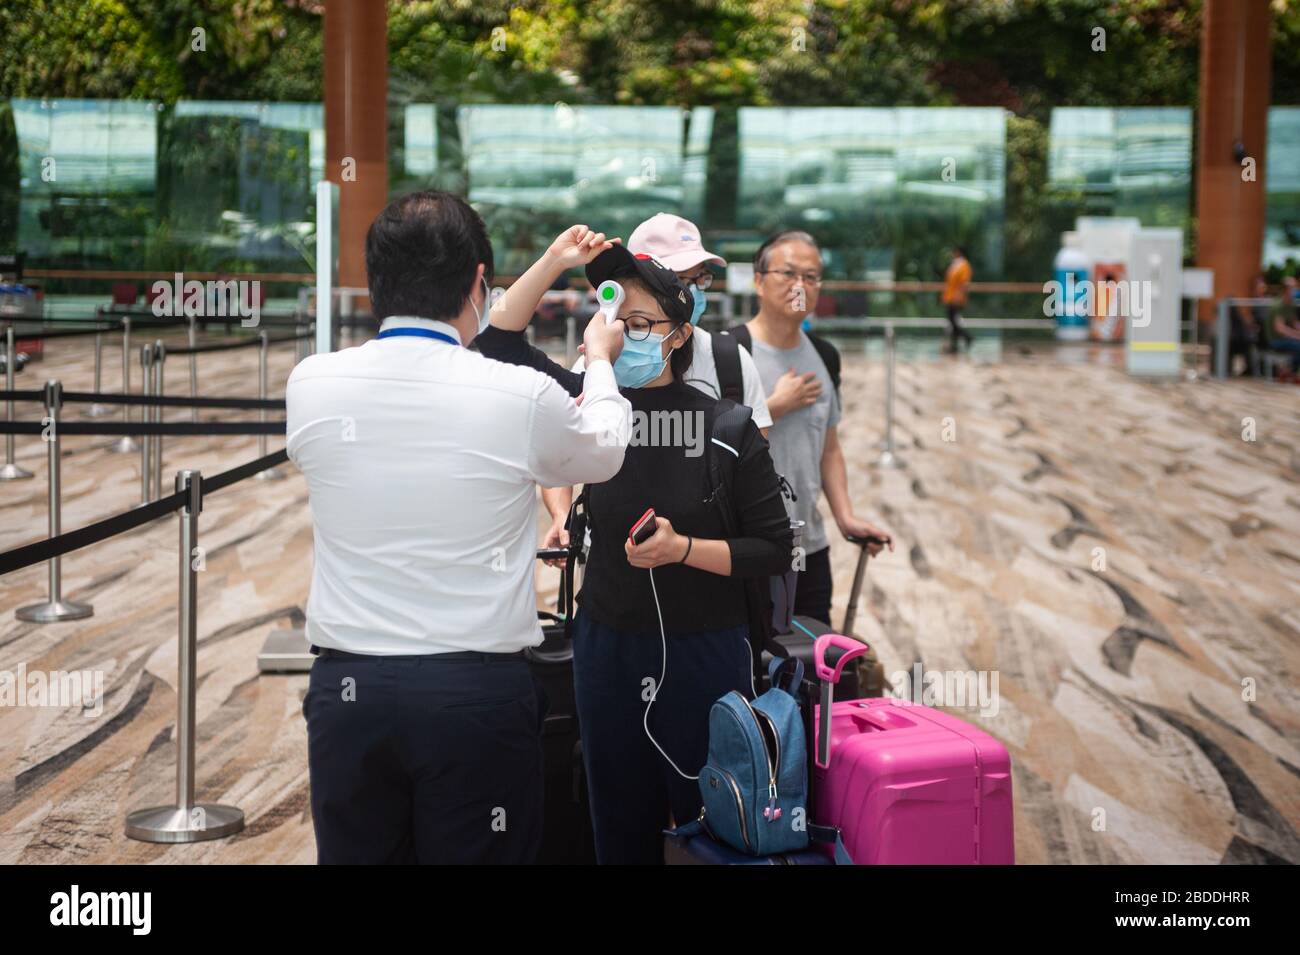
729, 426
726, 359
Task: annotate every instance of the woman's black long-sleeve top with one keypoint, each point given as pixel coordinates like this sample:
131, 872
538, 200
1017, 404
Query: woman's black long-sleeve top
675, 481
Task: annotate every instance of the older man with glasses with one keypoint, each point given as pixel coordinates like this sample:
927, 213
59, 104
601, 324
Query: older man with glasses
802, 373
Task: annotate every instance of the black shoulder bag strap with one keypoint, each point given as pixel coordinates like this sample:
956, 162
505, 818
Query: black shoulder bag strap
726, 359
728, 435
741, 334
830, 356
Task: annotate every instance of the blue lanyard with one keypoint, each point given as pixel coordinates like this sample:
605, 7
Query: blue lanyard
418, 333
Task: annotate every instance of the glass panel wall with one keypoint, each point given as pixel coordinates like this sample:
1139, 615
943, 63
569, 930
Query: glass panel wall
1282, 170
103, 184
1123, 162
132, 185
886, 191
87, 175
532, 170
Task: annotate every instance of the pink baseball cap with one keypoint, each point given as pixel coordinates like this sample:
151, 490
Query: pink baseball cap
672, 240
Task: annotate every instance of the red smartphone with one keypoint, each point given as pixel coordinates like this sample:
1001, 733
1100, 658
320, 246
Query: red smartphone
644, 528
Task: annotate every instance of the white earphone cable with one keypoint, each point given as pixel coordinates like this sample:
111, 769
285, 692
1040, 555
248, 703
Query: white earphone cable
663, 672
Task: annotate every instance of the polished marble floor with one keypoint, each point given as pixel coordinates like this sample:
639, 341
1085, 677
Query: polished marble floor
1122, 554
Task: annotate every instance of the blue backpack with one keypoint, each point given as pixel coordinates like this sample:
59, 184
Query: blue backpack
754, 786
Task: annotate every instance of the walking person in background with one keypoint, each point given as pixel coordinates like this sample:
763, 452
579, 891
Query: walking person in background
956, 290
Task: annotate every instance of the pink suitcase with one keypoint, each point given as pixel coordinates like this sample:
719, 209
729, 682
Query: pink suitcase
905, 783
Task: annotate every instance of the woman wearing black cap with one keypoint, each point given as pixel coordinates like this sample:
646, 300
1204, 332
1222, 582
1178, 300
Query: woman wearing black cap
661, 631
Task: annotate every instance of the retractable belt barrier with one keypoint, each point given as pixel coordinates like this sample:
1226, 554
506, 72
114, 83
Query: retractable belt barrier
148, 427
170, 401
66, 332
30, 554
185, 819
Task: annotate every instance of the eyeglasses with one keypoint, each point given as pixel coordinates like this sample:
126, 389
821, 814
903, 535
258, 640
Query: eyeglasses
639, 328
701, 280
811, 279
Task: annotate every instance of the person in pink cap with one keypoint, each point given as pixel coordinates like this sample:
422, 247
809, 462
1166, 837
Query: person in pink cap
676, 243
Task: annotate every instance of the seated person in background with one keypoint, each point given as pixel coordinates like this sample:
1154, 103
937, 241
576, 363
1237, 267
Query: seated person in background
1247, 322
1285, 332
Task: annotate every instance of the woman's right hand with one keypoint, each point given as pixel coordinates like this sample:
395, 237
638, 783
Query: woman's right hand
576, 246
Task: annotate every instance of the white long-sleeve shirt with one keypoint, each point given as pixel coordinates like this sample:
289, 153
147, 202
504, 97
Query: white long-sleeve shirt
421, 459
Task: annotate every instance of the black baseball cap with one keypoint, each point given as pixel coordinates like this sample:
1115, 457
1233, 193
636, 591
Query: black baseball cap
617, 262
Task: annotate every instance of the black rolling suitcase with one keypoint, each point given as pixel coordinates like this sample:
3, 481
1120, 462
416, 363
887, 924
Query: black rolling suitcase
865, 677
567, 837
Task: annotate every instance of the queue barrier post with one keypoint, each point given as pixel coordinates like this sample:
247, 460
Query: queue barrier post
186, 820
55, 608
97, 410
126, 444
146, 439
270, 474
888, 459
11, 471
194, 367
159, 359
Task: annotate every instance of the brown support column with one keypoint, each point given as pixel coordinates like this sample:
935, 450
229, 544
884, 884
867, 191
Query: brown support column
356, 123
1236, 71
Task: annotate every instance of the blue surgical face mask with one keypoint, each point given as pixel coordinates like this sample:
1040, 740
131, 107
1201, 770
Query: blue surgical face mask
640, 362
698, 309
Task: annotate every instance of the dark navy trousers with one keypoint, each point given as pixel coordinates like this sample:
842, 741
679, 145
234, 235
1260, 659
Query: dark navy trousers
421, 760
633, 789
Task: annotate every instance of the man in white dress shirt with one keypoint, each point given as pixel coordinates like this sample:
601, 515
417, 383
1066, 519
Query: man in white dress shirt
422, 459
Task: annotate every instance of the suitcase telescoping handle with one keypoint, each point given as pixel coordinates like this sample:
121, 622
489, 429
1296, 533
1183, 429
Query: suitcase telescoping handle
851, 612
831, 652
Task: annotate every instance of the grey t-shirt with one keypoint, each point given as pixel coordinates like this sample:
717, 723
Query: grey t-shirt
798, 437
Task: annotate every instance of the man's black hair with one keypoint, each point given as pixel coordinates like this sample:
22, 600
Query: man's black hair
422, 253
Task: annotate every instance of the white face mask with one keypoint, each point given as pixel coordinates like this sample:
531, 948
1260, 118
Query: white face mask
485, 314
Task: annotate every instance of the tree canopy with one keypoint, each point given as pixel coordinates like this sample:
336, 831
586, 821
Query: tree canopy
1025, 55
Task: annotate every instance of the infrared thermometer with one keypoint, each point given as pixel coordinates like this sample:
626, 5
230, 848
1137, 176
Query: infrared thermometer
609, 297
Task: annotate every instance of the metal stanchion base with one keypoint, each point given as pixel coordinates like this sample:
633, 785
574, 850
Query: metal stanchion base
125, 445
888, 459
285, 651
12, 472
54, 611
270, 474
199, 823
